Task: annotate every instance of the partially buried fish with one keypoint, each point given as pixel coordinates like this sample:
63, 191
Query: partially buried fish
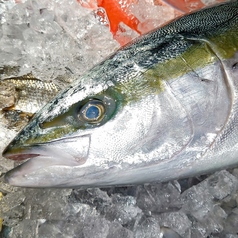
163, 107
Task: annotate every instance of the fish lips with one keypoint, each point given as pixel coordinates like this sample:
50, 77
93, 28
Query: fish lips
69, 152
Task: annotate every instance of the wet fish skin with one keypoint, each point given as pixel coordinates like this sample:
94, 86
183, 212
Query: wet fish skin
161, 108
31, 94
22, 96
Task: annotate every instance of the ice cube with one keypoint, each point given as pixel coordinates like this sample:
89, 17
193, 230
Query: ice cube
177, 221
147, 227
159, 197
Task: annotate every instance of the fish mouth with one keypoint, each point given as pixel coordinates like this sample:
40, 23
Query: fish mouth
39, 157
19, 155
18, 152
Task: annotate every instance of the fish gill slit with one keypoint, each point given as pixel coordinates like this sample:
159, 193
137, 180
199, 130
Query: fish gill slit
228, 83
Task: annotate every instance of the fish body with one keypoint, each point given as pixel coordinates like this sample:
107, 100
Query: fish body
22, 96
161, 108
27, 88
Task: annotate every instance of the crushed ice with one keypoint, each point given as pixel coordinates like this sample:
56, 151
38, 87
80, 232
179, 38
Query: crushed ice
59, 40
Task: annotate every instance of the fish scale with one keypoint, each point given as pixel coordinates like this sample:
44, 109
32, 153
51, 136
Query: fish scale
28, 88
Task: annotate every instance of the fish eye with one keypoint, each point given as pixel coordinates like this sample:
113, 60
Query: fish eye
93, 111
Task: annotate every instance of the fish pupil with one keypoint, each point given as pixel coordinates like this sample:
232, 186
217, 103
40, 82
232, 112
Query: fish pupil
92, 112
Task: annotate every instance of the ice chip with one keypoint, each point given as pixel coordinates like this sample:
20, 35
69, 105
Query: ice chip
159, 197
123, 209
11, 208
59, 41
118, 231
26, 229
222, 184
96, 227
47, 204
232, 221
147, 227
177, 221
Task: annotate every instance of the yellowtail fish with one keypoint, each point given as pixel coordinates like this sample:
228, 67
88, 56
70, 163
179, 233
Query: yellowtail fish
163, 107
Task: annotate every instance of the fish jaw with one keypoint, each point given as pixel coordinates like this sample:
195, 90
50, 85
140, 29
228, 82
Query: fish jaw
63, 153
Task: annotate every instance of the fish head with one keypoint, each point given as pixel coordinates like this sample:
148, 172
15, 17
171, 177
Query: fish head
83, 137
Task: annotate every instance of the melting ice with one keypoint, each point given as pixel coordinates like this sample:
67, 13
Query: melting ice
57, 41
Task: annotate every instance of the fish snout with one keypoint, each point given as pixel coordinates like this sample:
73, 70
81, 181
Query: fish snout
19, 153
42, 159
